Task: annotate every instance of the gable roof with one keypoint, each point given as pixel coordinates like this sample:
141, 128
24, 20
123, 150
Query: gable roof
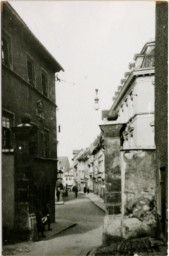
36, 43
64, 162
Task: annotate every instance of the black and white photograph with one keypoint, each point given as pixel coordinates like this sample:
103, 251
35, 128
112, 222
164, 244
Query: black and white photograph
84, 134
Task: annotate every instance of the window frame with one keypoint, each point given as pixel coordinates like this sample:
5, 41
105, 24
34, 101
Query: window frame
7, 37
31, 60
46, 147
44, 72
11, 117
43, 149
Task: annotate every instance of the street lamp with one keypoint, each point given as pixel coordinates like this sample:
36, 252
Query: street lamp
96, 100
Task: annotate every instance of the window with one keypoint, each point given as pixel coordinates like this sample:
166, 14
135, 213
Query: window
44, 84
6, 131
149, 59
6, 49
46, 143
43, 143
30, 70
5, 52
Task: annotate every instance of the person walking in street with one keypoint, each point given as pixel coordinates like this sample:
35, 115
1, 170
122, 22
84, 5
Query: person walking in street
75, 189
58, 194
40, 226
47, 214
85, 189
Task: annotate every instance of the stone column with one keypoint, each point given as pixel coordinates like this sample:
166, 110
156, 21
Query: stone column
113, 194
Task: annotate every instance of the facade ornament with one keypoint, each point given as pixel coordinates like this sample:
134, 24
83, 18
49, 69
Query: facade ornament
131, 65
40, 110
126, 101
123, 81
127, 74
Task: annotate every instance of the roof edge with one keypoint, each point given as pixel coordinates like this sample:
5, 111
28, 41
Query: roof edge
13, 11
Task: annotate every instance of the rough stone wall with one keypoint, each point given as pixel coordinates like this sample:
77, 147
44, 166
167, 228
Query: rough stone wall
112, 221
112, 175
130, 190
140, 186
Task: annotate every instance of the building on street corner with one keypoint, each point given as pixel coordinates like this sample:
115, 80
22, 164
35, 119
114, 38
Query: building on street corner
129, 148
29, 156
97, 152
89, 167
63, 166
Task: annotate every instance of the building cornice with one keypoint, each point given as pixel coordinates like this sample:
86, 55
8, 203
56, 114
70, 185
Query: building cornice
130, 79
153, 148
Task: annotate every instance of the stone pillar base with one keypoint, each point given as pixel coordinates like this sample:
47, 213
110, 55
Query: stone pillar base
112, 231
118, 228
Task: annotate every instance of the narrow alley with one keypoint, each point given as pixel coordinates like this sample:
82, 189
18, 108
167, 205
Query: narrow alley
84, 162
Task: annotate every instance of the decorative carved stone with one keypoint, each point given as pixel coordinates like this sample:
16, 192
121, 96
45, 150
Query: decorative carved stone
40, 110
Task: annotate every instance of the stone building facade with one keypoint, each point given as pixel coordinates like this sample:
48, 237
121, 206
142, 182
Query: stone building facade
130, 162
29, 155
89, 168
97, 166
81, 170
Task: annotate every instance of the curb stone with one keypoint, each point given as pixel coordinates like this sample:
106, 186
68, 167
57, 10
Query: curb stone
96, 204
57, 233
92, 252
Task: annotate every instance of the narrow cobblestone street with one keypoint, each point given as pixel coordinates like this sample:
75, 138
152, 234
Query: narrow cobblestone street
84, 128
77, 240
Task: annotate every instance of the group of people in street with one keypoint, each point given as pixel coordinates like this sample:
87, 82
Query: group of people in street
86, 190
59, 190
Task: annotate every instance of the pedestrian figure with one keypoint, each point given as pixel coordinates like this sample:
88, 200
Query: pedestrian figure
66, 190
58, 194
47, 214
88, 190
85, 190
40, 226
75, 189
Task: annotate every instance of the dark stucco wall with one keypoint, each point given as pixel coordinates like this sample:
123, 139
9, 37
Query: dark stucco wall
8, 190
161, 113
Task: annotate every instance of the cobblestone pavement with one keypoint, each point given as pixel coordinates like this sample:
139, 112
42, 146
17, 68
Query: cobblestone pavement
76, 241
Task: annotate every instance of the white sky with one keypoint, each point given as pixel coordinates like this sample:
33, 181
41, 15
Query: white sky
94, 41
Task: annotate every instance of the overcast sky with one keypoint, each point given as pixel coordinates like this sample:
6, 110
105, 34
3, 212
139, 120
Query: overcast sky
94, 41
